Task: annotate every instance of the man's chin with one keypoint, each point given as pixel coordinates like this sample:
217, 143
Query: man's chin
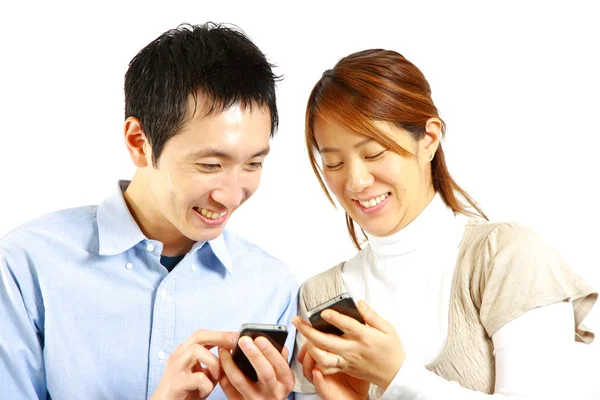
207, 235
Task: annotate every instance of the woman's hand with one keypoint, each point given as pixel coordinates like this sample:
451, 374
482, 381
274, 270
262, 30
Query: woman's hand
371, 352
332, 387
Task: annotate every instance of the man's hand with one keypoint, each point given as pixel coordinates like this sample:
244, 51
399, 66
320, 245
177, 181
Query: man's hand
275, 378
192, 371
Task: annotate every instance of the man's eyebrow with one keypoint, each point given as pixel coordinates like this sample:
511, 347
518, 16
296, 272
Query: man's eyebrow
262, 153
356, 146
212, 152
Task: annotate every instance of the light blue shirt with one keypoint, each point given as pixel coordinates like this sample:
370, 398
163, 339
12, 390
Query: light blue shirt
88, 312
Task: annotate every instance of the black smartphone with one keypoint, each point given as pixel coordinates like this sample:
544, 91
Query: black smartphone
344, 304
277, 334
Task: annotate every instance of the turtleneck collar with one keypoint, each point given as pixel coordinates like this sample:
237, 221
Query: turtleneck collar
435, 219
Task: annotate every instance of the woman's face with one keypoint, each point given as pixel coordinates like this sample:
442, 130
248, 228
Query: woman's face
381, 190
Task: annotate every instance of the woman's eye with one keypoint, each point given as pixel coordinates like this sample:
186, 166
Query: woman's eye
210, 167
333, 166
375, 156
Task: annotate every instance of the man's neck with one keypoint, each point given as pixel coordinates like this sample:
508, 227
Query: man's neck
151, 221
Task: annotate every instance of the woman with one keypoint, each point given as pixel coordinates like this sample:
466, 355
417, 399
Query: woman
465, 307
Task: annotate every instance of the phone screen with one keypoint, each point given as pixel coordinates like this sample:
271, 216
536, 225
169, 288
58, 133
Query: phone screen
277, 335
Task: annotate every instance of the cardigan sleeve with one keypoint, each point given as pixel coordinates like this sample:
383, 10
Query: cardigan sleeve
530, 353
522, 272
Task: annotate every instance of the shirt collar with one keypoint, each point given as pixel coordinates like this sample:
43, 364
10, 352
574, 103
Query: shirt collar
118, 231
429, 224
220, 250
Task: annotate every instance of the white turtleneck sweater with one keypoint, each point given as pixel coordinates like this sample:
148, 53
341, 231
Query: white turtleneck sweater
406, 277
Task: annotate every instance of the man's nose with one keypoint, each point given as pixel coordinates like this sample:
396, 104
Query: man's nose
230, 192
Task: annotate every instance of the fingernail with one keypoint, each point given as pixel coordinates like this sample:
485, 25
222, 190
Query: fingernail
294, 321
246, 343
261, 342
326, 315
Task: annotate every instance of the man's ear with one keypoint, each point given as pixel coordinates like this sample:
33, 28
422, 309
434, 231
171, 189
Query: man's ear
431, 140
137, 144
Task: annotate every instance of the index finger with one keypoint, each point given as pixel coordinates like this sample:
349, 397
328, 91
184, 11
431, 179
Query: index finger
235, 376
345, 323
325, 341
211, 339
265, 371
277, 359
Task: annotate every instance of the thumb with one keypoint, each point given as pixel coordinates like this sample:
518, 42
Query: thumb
321, 386
373, 319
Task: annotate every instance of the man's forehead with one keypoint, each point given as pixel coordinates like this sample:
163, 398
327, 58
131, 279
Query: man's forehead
231, 153
202, 105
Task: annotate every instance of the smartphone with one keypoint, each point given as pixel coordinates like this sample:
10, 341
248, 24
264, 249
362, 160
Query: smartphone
344, 304
277, 334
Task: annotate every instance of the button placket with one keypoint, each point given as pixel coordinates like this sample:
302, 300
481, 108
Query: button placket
163, 328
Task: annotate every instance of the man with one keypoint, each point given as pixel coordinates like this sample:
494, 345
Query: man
127, 299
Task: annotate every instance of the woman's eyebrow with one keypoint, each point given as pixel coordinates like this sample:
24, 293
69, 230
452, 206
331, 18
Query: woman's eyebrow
356, 146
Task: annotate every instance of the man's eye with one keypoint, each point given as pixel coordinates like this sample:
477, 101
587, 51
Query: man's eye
255, 165
210, 167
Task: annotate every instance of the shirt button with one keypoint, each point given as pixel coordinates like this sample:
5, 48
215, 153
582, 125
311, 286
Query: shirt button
161, 355
129, 265
193, 267
150, 247
163, 293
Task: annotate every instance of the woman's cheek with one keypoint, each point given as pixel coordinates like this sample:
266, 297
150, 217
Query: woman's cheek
332, 183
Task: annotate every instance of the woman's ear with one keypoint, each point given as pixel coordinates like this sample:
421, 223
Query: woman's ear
431, 140
136, 142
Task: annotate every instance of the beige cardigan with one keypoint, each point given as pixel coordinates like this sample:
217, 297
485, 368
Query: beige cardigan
503, 270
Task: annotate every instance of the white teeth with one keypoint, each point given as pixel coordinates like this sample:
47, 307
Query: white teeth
212, 214
374, 201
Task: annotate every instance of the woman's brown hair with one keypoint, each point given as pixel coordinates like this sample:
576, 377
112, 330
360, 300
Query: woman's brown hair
381, 85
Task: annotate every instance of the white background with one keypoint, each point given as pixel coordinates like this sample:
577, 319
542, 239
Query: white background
517, 83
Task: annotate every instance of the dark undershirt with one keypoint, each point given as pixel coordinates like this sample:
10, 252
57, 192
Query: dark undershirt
170, 262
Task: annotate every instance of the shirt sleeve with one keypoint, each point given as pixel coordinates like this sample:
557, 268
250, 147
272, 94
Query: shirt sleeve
22, 374
532, 355
291, 298
291, 309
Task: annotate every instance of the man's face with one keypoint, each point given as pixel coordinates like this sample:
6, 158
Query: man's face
207, 170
